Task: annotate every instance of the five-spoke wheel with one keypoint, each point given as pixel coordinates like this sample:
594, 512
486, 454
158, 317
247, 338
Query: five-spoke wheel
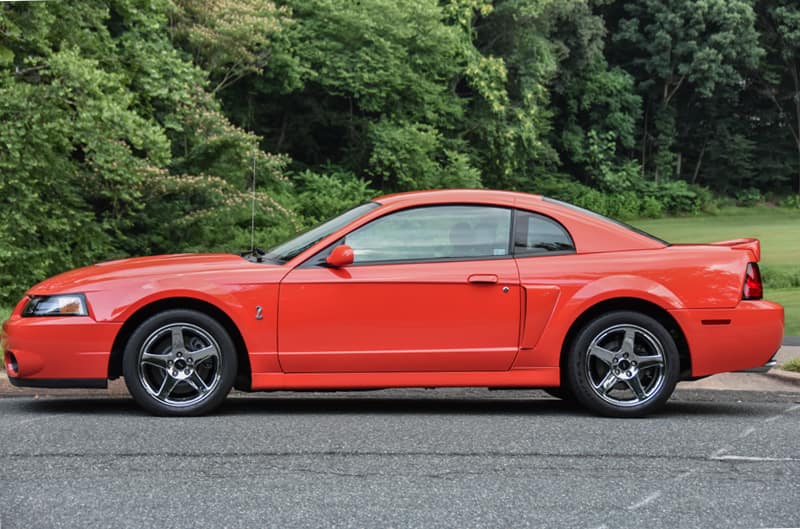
179, 362
623, 364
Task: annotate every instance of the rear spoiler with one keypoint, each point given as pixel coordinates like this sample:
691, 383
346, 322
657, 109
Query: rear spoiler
751, 245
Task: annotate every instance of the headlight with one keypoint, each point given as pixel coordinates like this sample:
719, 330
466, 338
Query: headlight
61, 305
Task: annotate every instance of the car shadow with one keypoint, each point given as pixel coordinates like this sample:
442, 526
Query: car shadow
399, 402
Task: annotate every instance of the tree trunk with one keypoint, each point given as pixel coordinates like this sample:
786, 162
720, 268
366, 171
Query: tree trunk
796, 98
644, 137
699, 163
797, 189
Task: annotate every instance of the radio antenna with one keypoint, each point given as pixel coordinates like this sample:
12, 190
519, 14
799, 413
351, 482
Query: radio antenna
253, 202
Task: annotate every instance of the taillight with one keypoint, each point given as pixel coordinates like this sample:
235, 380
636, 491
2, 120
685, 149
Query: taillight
753, 288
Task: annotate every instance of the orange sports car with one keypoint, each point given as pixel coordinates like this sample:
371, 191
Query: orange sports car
430, 289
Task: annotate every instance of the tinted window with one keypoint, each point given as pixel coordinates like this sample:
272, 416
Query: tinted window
537, 234
436, 232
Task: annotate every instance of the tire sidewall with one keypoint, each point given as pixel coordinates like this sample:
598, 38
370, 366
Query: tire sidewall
579, 382
228, 362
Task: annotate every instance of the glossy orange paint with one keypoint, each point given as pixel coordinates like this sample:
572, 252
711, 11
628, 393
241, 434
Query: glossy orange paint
400, 317
341, 256
499, 322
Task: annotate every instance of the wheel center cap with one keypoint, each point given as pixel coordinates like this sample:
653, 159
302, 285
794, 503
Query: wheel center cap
624, 364
180, 364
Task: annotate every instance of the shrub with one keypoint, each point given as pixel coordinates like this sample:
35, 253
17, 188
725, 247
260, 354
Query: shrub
323, 195
791, 201
651, 207
749, 197
780, 278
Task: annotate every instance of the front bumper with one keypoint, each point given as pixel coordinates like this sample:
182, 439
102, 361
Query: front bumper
47, 350
94, 383
741, 339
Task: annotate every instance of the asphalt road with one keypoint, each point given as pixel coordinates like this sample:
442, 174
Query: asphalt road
402, 458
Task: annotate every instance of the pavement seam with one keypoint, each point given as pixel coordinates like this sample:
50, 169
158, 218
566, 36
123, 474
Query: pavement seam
648, 499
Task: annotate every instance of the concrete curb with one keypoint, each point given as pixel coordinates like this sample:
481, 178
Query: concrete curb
786, 376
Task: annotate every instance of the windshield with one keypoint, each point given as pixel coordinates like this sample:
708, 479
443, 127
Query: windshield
294, 247
603, 217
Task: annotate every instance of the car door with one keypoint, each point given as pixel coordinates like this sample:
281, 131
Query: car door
431, 288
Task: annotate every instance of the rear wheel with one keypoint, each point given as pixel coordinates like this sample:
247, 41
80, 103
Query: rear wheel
179, 363
623, 364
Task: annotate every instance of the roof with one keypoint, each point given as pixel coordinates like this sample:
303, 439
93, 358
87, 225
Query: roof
455, 195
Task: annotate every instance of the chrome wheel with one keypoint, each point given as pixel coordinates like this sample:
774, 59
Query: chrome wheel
180, 364
626, 365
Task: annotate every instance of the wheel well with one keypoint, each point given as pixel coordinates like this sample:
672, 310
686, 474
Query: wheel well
636, 305
118, 349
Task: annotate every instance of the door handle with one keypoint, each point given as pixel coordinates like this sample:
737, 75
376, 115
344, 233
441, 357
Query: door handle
482, 278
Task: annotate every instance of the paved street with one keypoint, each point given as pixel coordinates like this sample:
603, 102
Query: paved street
402, 458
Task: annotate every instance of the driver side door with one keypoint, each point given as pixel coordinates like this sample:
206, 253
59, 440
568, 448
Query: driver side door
431, 288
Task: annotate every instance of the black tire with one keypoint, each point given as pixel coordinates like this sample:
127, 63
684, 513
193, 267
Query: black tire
623, 364
179, 363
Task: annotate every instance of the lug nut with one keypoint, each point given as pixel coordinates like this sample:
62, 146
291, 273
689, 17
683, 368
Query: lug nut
625, 355
180, 355
169, 363
616, 371
633, 363
628, 373
189, 361
187, 370
174, 372
616, 359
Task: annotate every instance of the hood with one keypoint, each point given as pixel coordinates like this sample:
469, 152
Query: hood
142, 267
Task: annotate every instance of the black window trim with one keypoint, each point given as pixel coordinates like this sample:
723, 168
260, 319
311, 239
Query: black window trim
318, 259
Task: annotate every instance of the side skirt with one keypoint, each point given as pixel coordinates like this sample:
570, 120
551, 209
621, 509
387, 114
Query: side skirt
539, 377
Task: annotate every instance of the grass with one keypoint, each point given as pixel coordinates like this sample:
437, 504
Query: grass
778, 229
792, 365
790, 299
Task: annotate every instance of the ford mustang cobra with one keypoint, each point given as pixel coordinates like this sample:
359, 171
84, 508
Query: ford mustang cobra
430, 289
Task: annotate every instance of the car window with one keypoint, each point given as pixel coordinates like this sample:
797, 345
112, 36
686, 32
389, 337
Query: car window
294, 247
434, 232
536, 234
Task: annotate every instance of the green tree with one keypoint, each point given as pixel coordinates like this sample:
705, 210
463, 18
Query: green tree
102, 111
779, 75
678, 47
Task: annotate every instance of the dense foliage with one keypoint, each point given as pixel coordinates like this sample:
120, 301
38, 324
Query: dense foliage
138, 126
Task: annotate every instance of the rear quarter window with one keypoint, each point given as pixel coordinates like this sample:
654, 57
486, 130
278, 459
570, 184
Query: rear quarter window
536, 234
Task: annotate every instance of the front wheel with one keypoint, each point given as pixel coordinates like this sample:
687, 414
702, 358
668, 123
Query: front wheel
623, 364
179, 363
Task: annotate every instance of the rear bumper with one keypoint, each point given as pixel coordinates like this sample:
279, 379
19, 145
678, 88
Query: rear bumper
740, 339
761, 369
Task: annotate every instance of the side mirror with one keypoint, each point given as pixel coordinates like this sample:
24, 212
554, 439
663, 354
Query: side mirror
341, 256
